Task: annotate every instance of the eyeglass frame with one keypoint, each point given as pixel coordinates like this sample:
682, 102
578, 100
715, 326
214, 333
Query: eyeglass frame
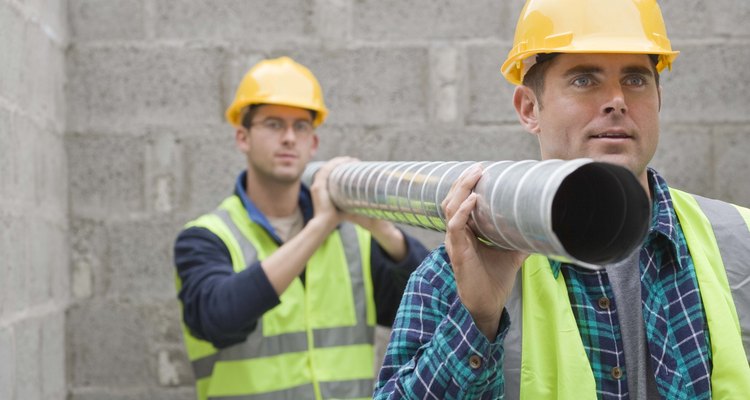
249, 112
300, 127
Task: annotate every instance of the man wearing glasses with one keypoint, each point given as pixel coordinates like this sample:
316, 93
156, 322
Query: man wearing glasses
280, 290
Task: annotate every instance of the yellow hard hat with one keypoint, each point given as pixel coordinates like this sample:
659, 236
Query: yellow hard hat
587, 26
280, 81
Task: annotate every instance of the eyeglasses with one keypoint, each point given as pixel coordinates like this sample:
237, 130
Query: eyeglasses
278, 126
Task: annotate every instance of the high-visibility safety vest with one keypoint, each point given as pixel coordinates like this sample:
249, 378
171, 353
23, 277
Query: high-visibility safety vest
554, 364
316, 344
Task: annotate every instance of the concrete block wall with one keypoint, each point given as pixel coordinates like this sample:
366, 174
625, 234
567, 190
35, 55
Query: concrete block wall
418, 80
112, 137
34, 252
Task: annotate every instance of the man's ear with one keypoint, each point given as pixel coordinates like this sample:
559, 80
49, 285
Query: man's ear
658, 92
527, 108
242, 139
316, 143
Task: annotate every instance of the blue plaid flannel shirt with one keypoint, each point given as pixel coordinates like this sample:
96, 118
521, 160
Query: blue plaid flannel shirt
436, 351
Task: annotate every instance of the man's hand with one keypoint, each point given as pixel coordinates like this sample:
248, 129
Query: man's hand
484, 275
323, 208
385, 233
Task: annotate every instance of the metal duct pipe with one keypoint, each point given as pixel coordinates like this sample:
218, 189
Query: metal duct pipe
580, 211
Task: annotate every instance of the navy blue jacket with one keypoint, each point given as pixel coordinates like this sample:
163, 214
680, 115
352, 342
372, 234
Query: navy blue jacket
223, 307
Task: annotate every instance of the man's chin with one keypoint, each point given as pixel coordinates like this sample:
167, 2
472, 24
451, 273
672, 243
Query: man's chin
617, 159
622, 160
288, 175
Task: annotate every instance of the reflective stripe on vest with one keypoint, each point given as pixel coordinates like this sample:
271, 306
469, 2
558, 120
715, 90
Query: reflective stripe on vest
554, 363
317, 343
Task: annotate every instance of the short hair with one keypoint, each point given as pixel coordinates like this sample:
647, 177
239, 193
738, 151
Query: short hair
534, 78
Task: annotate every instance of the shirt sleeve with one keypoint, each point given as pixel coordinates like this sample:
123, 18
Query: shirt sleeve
436, 351
389, 277
219, 305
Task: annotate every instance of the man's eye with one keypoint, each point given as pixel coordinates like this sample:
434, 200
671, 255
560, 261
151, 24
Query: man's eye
635, 81
302, 127
273, 124
582, 81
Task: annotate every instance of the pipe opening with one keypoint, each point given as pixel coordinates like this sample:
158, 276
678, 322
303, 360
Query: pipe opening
600, 213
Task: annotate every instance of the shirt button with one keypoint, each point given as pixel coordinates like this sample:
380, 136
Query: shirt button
617, 372
475, 361
604, 303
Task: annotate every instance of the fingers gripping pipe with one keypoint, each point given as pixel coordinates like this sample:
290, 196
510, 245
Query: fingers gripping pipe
580, 211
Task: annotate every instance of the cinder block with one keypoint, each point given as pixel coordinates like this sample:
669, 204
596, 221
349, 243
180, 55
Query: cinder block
37, 270
97, 20
22, 174
729, 17
47, 272
688, 18
42, 78
429, 143
106, 174
115, 86
12, 38
100, 332
57, 260
332, 21
493, 143
730, 173
8, 156
164, 172
163, 317
53, 15
352, 140
28, 341
14, 241
50, 169
212, 165
372, 85
444, 82
428, 19
490, 95
684, 157
88, 249
174, 368
694, 91
6, 264
233, 19
53, 355
8, 366
140, 263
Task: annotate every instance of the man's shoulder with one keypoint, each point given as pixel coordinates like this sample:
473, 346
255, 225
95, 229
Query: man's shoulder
709, 206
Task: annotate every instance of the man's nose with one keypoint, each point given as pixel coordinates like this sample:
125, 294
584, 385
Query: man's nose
615, 102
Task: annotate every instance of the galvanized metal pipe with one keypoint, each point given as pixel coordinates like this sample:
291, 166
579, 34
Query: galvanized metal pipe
580, 211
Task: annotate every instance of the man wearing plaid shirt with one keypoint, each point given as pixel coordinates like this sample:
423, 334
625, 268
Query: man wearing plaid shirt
670, 322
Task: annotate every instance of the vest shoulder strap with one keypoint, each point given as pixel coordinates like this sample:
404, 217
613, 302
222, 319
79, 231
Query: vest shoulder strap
730, 376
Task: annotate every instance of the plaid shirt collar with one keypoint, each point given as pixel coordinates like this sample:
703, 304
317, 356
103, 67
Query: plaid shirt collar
663, 220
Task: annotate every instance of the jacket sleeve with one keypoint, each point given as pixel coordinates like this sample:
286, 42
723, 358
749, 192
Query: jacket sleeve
219, 305
436, 351
389, 277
